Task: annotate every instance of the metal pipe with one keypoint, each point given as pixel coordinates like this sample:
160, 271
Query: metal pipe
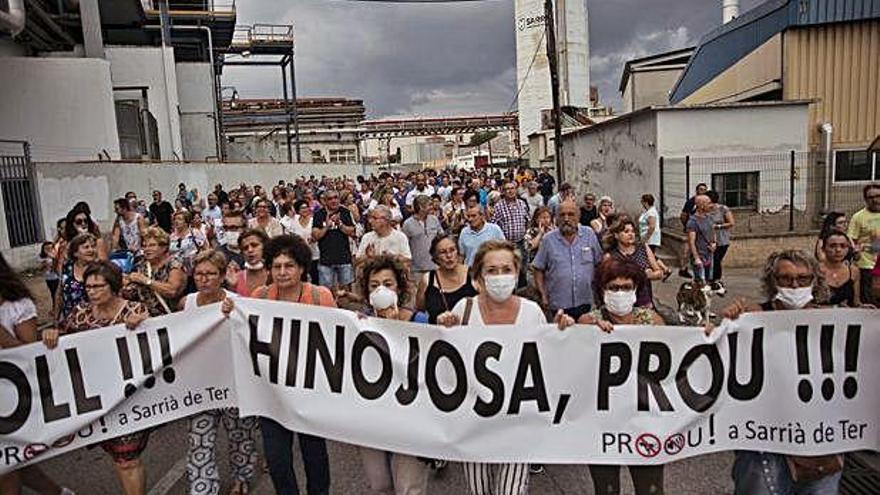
217, 132
828, 130
14, 20
295, 109
729, 10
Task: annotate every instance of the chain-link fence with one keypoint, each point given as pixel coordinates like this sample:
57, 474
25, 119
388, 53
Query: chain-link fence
775, 193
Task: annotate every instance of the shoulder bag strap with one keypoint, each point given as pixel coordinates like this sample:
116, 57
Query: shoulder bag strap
468, 308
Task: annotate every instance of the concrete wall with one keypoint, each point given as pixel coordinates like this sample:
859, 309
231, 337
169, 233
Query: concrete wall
62, 106
619, 160
755, 138
195, 91
143, 66
732, 131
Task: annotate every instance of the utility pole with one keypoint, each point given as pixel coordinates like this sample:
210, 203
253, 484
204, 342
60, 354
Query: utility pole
549, 25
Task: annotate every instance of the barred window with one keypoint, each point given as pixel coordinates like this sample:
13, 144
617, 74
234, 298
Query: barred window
737, 190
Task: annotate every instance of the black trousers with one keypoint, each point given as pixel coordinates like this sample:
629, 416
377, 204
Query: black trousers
278, 444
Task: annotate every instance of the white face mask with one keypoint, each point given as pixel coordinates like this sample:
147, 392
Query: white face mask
256, 266
795, 298
620, 303
231, 238
382, 298
500, 287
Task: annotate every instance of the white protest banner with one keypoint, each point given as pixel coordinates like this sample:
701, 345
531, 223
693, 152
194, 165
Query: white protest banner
104, 383
787, 382
790, 382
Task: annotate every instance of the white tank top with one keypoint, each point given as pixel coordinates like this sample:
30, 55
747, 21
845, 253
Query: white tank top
190, 301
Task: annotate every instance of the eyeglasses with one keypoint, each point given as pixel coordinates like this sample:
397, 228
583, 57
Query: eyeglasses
206, 274
790, 281
79, 221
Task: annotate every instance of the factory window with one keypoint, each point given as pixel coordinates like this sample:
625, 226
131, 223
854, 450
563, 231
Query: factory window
343, 156
854, 166
317, 157
737, 190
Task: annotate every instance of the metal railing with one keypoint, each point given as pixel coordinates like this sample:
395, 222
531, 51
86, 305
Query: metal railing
222, 6
262, 34
18, 189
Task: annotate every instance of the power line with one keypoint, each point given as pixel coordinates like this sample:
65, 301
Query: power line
528, 71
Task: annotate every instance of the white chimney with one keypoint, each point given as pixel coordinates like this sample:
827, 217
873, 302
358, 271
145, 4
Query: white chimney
729, 10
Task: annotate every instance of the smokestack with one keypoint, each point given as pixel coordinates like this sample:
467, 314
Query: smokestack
729, 10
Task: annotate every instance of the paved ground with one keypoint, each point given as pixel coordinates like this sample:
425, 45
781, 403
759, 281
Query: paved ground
88, 471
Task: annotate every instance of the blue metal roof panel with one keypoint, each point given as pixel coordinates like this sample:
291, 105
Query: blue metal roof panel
727, 44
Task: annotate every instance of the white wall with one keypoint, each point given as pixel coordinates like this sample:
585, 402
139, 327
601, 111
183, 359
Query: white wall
62, 106
620, 158
753, 138
732, 131
143, 66
195, 91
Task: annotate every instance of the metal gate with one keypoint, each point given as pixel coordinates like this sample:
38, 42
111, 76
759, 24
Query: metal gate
18, 189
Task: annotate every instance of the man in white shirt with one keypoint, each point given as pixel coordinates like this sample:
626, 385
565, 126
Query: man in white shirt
445, 189
212, 214
383, 239
422, 189
533, 198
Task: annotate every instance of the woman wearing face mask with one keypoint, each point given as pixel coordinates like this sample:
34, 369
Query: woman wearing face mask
495, 271
791, 280
440, 290
386, 281
251, 244
843, 278
288, 258
618, 281
299, 222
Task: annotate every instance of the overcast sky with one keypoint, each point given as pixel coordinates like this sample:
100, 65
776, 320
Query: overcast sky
453, 58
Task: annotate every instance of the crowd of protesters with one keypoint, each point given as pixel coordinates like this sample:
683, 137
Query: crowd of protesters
464, 249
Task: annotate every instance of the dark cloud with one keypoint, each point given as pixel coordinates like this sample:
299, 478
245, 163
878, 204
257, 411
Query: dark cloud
453, 58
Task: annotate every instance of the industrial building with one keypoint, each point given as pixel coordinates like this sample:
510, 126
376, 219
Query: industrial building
533, 66
647, 81
328, 129
826, 51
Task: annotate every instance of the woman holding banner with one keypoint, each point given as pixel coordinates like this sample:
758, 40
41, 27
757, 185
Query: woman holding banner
618, 282
792, 279
289, 258
209, 270
18, 326
386, 280
495, 272
105, 308
159, 279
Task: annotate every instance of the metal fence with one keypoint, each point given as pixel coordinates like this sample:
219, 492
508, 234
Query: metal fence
18, 189
775, 193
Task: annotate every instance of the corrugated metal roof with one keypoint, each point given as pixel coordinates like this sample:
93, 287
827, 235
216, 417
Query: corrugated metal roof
730, 42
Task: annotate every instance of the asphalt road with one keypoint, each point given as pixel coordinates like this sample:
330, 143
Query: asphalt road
89, 471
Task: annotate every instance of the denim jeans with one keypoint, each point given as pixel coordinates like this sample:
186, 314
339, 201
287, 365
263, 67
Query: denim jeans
335, 275
761, 473
277, 445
